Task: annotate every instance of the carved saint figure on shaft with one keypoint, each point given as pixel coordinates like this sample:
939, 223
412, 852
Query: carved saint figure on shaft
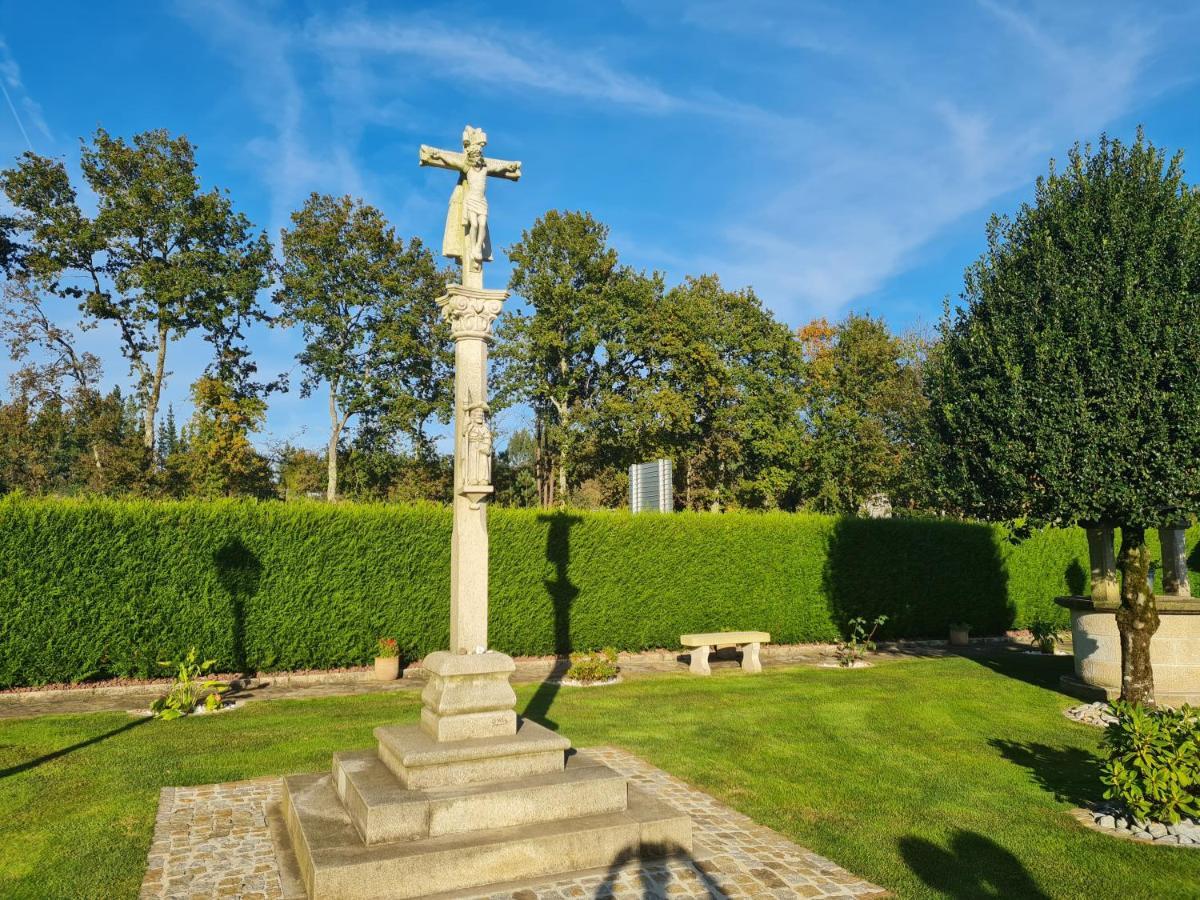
479, 449
466, 237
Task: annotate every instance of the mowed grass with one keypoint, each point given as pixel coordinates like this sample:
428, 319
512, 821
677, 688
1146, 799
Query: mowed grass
936, 777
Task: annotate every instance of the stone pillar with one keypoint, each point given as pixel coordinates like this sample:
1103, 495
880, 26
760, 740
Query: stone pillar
1172, 538
1106, 590
471, 312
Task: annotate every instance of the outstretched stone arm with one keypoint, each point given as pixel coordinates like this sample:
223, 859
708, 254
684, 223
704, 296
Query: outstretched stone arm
443, 159
504, 168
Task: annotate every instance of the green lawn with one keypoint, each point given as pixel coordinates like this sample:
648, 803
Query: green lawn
939, 777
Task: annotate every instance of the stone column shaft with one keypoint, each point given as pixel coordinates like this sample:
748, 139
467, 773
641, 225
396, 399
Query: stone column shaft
1173, 540
471, 312
469, 543
1106, 590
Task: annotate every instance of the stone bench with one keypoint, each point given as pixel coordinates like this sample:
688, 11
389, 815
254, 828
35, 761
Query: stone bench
703, 644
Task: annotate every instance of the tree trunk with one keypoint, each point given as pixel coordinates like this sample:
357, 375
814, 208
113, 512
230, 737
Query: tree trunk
543, 471
155, 391
562, 479
563, 411
1137, 617
335, 431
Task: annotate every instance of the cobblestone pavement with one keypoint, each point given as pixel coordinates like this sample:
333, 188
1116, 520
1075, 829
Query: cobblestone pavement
215, 841
268, 687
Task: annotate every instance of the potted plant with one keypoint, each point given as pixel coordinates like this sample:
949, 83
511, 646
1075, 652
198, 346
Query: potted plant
387, 661
1045, 634
960, 634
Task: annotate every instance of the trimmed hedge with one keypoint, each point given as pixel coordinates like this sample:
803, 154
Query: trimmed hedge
92, 588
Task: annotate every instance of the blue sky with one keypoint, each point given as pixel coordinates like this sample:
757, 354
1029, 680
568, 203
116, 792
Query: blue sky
834, 156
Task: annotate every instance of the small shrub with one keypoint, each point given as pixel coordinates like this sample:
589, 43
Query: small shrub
596, 665
1153, 764
1045, 634
189, 688
858, 644
388, 648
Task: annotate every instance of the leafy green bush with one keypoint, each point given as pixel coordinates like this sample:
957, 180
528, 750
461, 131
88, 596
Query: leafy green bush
593, 666
1153, 761
278, 586
858, 643
189, 688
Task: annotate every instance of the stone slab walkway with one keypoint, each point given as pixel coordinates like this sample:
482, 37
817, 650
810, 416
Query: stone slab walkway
228, 841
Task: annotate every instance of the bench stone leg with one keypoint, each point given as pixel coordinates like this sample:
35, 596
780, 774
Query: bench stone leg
699, 664
750, 660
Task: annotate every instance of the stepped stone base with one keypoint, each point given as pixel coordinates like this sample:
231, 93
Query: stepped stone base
336, 863
382, 810
473, 796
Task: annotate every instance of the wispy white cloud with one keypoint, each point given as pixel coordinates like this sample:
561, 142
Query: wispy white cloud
290, 161
931, 129
493, 58
22, 106
848, 147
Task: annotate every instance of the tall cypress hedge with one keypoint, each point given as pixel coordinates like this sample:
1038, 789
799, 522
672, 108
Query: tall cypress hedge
94, 588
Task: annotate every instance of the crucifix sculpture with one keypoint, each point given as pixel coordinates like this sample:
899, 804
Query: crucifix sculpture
471, 309
466, 237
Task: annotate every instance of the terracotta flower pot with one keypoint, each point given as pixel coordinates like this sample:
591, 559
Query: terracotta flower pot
960, 637
387, 668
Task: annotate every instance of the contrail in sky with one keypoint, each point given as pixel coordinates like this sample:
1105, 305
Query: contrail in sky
16, 118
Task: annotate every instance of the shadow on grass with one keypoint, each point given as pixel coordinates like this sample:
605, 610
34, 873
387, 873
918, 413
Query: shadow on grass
972, 867
1039, 669
58, 754
1070, 774
646, 869
562, 595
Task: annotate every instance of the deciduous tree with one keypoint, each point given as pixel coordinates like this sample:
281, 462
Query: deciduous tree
1066, 388
367, 306
160, 258
720, 394
865, 414
220, 460
565, 354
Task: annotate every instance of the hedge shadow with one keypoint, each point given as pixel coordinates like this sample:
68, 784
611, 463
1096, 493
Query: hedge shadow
922, 574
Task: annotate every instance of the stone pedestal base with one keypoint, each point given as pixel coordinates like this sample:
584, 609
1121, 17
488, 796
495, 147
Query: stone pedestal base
1174, 650
424, 814
468, 696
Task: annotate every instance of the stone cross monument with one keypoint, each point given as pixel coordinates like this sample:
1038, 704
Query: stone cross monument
474, 795
471, 309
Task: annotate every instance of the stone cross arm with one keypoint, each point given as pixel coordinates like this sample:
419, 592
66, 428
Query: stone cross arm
450, 159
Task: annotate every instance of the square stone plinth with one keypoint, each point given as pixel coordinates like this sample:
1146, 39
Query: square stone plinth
421, 762
468, 696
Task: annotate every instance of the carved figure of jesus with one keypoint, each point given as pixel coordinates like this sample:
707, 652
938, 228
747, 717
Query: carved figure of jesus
466, 237
479, 450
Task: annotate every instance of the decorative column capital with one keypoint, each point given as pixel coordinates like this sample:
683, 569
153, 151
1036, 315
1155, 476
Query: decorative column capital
471, 311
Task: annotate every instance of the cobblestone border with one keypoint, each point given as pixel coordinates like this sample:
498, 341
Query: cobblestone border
1089, 819
227, 841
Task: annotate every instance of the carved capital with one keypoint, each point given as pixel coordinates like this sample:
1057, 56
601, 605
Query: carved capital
471, 311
